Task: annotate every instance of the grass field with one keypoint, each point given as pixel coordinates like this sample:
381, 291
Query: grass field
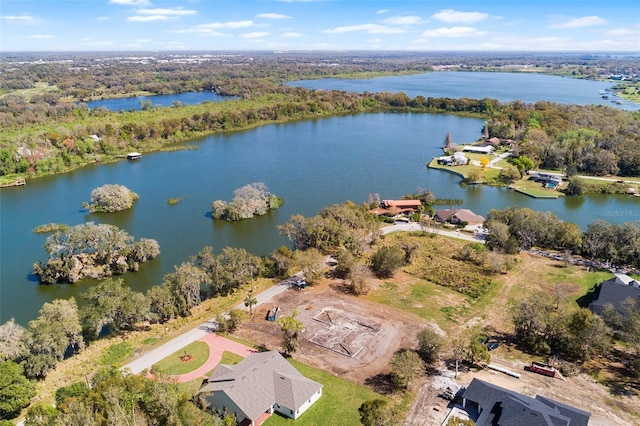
535, 189
174, 363
338, 405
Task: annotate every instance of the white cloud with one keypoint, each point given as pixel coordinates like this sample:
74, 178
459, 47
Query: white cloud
20, 19
174, 11
585, 21
257, 34
291, 34
403, 20
623, 32
227, 25
103, 18
370, 28
456, 16
211, 29
383, 11
273, 16
454, 32
130, 2
42, 36
149, 18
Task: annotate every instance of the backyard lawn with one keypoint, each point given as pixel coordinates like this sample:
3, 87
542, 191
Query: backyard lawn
338, 405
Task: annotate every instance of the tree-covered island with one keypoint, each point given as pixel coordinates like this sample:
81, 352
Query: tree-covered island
92, 251
250, 200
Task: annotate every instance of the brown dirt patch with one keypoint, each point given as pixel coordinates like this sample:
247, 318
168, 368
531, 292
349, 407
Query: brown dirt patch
353, 338
186, 358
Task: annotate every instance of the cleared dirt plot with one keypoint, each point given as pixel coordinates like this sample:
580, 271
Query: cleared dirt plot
350, 337
344, 334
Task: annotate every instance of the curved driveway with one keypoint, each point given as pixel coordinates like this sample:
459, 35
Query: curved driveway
146, 360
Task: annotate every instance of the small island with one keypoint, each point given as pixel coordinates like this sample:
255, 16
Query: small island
92, 251
111, 198
250, 200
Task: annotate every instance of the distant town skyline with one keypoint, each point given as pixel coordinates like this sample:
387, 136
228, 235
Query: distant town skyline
300, 25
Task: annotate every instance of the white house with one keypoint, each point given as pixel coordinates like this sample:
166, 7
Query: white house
259, 385
487, 149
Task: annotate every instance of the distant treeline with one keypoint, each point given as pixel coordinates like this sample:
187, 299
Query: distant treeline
45, 133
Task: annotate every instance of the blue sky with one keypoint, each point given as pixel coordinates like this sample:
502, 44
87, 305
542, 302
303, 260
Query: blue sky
419, 25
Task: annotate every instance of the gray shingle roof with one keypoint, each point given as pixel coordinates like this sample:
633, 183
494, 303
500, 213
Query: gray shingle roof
614, 291
259, 381
504, 407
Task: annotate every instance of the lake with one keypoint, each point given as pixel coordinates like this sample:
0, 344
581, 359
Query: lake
505, 87
311, 164
134, 102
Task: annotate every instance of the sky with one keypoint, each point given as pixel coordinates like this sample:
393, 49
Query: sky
303, 25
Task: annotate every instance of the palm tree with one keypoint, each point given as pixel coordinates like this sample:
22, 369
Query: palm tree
249, 301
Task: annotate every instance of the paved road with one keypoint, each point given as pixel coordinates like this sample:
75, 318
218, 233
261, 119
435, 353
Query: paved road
477, 238
146, 360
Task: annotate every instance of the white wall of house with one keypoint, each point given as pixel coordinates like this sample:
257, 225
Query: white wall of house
294, 414
220, 402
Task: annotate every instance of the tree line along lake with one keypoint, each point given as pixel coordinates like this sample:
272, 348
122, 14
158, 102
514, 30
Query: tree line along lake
311, 164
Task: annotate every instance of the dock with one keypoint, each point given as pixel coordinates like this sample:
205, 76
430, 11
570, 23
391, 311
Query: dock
18, 182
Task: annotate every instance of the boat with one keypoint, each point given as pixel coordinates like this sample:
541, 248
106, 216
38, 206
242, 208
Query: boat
619, 102
602, 92
134, 156
605, 97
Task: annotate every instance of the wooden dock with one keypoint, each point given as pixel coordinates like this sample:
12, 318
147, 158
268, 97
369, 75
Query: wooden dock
18, 182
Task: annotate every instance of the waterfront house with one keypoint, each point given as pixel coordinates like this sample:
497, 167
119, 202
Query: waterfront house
396, 207
615, 292
259, 385
548, 180
488, 404
457, 159
455, 216
480, 149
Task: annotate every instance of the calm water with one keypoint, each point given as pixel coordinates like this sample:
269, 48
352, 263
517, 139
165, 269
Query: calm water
133, 103
311, 164
504, 87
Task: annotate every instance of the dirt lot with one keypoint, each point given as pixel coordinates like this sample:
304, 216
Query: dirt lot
381, 331
371, 333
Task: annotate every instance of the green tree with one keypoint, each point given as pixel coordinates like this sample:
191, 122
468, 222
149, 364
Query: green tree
405, 366
185, 285
291, 329
113, 306
474, 175
162, 306
16, 390
586, 333
386, 260
57, 331
40, 415
375, 413
359, 279
250, 301
576, 186
74, 390
429, 344
311, 263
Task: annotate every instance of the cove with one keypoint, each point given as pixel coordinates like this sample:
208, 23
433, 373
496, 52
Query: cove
133, 102
311, 164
